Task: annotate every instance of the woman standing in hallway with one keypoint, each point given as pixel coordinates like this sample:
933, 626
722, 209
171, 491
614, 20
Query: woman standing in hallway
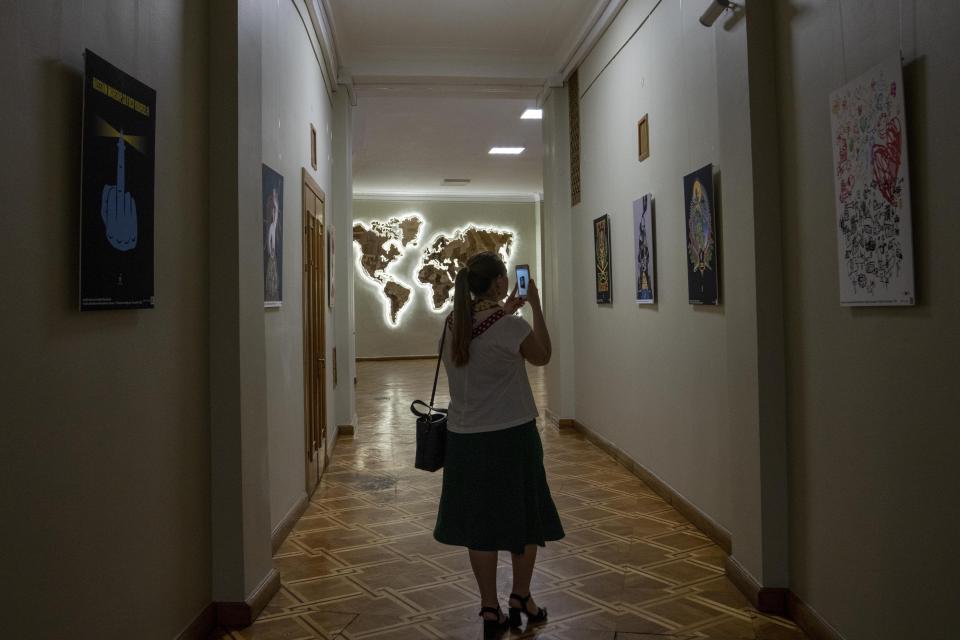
495, 493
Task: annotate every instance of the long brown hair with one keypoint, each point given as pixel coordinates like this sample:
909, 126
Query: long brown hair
476, 278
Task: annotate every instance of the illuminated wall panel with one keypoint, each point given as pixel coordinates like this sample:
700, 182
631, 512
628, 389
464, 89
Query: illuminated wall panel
408, 254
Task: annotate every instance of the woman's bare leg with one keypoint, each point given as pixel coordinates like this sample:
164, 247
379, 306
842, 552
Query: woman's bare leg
484, 565
523, 574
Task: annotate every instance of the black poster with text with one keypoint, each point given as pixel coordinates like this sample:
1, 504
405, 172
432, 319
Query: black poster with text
116, 219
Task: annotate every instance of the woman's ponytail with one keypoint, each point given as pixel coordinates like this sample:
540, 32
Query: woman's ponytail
462, 319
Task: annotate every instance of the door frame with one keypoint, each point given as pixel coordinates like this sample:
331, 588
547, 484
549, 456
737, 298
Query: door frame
314, 333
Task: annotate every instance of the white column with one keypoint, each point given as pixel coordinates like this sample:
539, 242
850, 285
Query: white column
341, 198
240, 504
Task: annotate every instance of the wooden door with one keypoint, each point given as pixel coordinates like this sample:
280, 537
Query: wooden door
314, 333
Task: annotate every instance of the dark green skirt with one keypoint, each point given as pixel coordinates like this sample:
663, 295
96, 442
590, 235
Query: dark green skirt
495, 494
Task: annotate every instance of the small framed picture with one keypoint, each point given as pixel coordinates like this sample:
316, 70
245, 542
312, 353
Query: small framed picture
643, 138
313, 147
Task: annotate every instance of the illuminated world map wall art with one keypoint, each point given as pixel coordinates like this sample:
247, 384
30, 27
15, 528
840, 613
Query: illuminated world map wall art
382, 244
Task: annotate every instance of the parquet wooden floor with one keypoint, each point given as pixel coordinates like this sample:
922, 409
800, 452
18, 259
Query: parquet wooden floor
362, 564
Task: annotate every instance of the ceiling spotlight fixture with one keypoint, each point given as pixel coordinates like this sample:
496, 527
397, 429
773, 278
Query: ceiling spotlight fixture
532, 114
506, 151
715, 10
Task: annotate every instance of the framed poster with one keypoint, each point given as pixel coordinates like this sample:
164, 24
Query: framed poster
331, 261
872, 189
703, 282
601, 248
272, 195
644, 246
117, 183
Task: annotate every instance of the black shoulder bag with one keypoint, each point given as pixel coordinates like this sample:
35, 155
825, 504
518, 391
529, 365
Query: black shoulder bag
431, 425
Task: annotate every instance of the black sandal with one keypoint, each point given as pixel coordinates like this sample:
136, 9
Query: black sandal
536, 618
493, 628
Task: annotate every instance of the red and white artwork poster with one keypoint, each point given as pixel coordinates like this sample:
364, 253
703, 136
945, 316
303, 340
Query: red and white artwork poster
871, 177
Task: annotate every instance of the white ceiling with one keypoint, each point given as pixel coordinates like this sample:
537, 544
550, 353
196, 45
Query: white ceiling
438, 82
485, 38
408, 144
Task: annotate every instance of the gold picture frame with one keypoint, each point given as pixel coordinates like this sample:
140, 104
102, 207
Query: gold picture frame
643, 138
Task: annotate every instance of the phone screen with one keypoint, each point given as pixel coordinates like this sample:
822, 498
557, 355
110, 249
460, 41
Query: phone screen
523, 280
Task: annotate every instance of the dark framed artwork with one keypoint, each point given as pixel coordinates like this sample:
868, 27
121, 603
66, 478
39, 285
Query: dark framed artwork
601, 249
644, 244
703, 281
117, 182
272, 237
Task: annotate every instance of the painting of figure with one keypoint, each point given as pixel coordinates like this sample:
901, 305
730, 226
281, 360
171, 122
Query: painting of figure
272, 237
643, 243
871, 180
703, 282
601, 245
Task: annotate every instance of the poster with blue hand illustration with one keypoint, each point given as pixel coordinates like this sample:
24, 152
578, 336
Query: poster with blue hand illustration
703, 282
117, 212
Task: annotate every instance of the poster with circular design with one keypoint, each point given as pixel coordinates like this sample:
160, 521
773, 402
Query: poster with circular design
703, 282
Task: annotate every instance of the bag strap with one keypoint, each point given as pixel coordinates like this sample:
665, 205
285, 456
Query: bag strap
481, 328
436, 376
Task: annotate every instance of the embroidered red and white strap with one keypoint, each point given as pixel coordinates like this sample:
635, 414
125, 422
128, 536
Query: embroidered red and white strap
488, 322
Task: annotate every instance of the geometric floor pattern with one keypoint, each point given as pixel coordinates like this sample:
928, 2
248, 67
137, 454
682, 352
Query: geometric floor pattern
362, 563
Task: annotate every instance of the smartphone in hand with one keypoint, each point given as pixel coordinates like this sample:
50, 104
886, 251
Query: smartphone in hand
523, 280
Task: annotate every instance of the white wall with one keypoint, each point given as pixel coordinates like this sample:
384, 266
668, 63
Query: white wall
420, 327
873, 436
557, 264
294, 96
651, 378
105, 461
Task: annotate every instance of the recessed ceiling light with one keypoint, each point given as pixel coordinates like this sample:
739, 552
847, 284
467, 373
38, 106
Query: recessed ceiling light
532, 114
509, 151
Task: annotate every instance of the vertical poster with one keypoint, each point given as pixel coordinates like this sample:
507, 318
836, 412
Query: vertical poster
643, 245
601, 246
871, 180
272, 195
117, 211
703, 283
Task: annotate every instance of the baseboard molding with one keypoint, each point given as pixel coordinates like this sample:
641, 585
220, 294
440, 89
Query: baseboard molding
285, 526
201, 626
392, 358
764, 599
809, 620
558, 422
345, 430
691, 512
242, 614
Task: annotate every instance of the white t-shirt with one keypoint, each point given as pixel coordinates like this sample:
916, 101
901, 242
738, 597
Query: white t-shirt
491, 392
